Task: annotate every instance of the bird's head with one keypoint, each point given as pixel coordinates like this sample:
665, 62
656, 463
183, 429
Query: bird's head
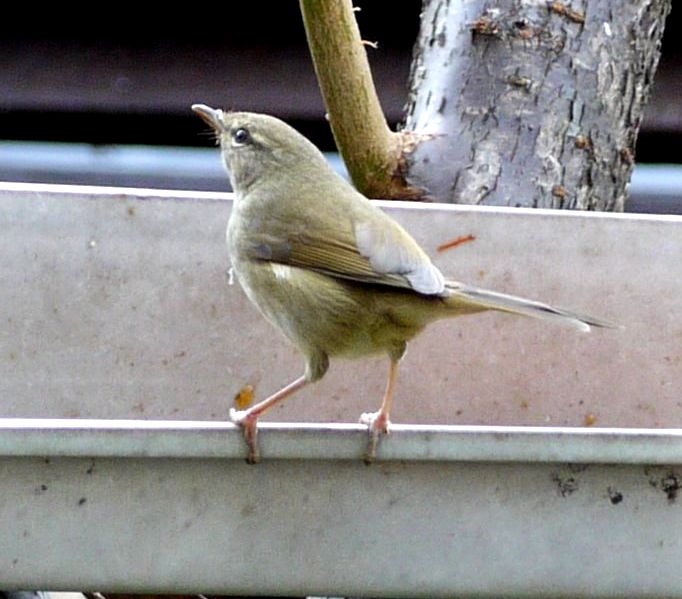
258, 146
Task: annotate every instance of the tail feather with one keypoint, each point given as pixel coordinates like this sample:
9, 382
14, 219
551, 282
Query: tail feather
502, 302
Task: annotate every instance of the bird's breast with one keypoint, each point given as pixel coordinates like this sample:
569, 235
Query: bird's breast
321, 313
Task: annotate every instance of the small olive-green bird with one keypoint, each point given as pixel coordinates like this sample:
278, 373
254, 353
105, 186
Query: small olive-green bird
329, 269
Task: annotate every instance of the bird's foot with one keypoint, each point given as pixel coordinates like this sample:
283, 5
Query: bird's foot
377, 425
249, 424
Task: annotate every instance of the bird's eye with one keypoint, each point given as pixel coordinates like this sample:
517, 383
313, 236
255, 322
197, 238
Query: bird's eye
241, 136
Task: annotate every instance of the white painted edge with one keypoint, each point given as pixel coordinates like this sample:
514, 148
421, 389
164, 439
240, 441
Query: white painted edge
133, 193
203, 439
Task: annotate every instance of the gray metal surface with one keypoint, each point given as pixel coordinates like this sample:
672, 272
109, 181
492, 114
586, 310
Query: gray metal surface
24, 437
161, 167
654, 189
400, 528
116, 304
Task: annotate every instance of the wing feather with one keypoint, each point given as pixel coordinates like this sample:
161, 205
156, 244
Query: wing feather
376, 250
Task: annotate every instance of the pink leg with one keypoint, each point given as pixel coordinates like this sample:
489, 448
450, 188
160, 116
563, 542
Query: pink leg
378, 423
248, 419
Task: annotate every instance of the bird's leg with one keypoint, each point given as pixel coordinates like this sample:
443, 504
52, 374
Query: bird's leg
248, 419
378, 422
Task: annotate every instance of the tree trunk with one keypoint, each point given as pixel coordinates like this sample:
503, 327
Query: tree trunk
531, 102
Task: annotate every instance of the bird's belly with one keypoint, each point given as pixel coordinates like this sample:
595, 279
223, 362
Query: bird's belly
321, 313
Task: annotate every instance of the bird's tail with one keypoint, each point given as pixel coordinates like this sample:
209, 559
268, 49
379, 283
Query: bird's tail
466, 298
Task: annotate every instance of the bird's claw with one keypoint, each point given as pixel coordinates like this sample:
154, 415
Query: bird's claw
249, 425
377, 426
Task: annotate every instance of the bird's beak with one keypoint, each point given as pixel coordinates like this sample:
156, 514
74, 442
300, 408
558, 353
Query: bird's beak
213, 116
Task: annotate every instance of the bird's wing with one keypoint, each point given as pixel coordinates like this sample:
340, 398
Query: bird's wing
391, 250
377, 251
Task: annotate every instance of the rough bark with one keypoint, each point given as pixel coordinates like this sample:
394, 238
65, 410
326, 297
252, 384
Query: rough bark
531, 102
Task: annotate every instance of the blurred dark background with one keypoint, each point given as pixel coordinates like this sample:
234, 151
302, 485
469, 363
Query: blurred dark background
131, 79
123, 77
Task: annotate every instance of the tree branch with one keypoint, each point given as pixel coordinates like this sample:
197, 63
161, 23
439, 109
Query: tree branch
373, 154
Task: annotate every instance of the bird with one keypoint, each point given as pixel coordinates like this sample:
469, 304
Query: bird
328, 268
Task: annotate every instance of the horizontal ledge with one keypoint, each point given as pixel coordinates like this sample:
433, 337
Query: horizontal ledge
141, 194
653, 188
25, 437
